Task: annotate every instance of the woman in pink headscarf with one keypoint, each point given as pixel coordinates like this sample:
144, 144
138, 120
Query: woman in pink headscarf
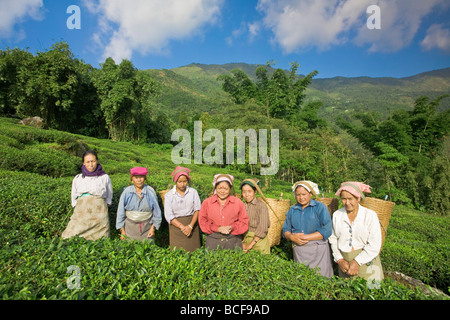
356, 236
223, 217
181, 208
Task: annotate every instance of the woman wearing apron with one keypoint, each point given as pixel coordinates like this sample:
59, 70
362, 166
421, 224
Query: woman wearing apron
138, 212
356, 238
308, 227
91, 194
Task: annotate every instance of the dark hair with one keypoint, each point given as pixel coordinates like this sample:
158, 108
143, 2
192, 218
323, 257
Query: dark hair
89, 152
243, 184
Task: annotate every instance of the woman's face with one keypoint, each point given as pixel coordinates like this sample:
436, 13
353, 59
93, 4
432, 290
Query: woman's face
138, 181
90, 162
302, 196
223, 190
349, 201
182, 183
248, 193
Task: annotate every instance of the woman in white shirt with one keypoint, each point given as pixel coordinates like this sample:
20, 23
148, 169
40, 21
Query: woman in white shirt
356, 235
91, 194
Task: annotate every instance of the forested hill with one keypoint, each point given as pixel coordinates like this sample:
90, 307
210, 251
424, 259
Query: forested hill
195, 88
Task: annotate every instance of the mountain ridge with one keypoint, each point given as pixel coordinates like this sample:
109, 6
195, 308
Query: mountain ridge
195, 89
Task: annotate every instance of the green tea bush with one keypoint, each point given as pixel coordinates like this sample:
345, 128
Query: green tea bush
418, 245
115, 269
35, 208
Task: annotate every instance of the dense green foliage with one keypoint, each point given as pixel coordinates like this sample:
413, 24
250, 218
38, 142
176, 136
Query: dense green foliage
35, 208
113, 101
409, 147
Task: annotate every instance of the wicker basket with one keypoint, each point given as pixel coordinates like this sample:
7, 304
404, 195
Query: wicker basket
383, 209
331, 203
277, 214
162, 193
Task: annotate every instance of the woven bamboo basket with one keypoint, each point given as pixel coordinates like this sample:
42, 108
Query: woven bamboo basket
331, 203
383, 210
277, 214
162, 193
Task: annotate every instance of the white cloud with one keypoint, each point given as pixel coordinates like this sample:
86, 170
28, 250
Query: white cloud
304, 24
16, 11
437, 37
400, 21
149, 26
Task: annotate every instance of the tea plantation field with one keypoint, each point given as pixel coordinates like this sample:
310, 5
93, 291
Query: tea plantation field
36, 171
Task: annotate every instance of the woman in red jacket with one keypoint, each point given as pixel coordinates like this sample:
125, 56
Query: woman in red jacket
223, 216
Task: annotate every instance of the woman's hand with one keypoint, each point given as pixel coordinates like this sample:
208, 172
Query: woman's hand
298, 238
123, 234
353, 269
224, 229
151, 232
344, 265
187, 230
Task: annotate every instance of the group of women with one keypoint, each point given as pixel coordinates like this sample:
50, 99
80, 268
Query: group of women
351, 236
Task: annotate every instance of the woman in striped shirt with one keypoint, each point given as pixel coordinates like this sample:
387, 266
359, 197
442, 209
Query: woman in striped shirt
256, 237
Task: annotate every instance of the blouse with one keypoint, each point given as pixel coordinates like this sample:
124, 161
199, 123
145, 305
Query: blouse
314, 217
258, 215
213, 215
96, 185
363, 233
130, 201
176, 205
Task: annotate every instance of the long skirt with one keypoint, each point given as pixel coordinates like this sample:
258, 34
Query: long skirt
177, 239
263, 245
217, 240
314, 254
89, 220
138, 230
372, 269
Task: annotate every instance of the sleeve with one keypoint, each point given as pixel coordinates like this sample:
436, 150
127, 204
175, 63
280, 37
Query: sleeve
197, 202
168, 211
333, 239
206, 223
325, 228
109, 191
372, 248
120, 218
263, 221
287, 225
73, 195
157, 216
240, 226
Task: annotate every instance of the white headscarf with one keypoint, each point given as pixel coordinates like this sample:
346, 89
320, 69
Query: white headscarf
308, 185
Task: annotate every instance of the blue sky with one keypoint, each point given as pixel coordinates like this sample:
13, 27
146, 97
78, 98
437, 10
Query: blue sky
329, 36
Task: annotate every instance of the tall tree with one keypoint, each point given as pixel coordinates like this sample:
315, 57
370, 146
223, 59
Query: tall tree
125, 95
282, 93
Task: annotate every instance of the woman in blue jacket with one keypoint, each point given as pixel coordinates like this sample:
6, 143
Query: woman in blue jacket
308, 227
138, 212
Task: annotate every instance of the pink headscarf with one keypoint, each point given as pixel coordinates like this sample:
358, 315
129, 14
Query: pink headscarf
355, 188
180, 171
138, 171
